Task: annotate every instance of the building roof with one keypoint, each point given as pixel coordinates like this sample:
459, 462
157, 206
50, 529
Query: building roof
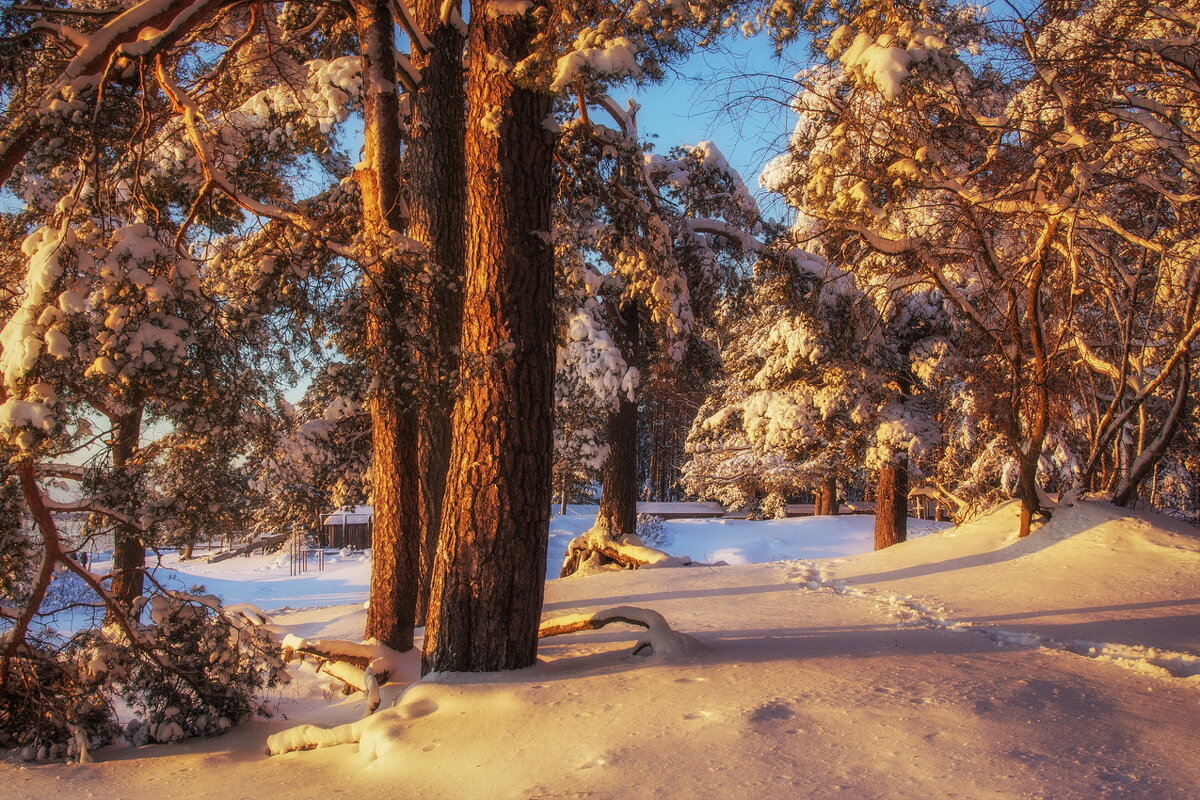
348, 515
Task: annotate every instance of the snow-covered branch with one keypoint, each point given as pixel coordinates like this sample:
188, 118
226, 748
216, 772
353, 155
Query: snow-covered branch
142, 30
660, 639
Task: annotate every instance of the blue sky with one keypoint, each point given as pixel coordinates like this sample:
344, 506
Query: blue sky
732, 95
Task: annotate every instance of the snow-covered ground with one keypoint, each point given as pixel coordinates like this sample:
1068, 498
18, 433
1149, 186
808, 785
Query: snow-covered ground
267, 581
963, 664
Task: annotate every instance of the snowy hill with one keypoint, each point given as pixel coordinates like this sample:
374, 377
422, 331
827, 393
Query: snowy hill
965, 664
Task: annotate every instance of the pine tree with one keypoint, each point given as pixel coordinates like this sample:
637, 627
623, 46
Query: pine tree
484, 610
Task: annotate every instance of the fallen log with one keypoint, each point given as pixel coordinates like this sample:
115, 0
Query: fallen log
660, 638
598, 549
248, 547
355, 664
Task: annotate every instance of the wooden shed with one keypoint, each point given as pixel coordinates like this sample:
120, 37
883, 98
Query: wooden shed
349, 526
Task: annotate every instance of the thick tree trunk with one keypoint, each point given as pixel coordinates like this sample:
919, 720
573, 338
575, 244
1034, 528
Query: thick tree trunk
129, 550
826, 497
891, 506
617, 515
619, 484
489, 573
395, 545
437, 207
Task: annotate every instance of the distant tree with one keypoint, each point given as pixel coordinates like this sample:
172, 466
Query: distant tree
820, 379
200, 492
316, 456
579, 449
639, 236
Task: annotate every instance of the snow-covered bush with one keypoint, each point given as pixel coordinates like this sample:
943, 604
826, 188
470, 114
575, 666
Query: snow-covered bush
651, 531
774, 506
51, 705
195, 670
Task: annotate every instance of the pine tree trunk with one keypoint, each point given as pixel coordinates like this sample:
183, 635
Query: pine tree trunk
129, 549
437, 207
617, 515
619, 485
826, 497
395, 550
891, 506
489, 573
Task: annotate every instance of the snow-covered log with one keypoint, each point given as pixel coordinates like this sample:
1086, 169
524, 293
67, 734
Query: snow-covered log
356, 664
598, 549
309, 737
660, 639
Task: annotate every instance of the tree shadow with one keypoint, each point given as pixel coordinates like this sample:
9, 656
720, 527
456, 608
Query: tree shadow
749, 646
609, 601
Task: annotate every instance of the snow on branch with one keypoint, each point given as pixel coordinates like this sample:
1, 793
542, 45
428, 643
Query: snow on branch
146, 26
408, 75
356, 664
616, 57
717, 227
451, 14
626, 118
309, 737
214, 177
598, 549
406, 20
94, 507
64, 32
660, 639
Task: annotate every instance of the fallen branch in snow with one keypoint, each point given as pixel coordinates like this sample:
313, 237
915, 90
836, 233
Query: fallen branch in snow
598, 549
660, 638
374, 729
355, 664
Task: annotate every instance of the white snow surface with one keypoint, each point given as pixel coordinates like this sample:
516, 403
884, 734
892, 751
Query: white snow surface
966, 663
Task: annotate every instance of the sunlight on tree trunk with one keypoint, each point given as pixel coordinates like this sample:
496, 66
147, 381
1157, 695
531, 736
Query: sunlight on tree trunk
437, 206
891, 506
394, 542
489, 573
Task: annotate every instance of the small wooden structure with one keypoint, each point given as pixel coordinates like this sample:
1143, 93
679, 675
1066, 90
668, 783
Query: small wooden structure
349, 526
925, 503
679, 510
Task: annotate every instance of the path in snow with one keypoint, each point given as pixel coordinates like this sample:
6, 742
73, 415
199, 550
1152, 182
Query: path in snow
910, 611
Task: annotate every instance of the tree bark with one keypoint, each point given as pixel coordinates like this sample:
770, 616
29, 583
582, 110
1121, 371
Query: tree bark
129, 550
489, 573
826, 497
891, 506
437, 207
617, 514
394, 538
